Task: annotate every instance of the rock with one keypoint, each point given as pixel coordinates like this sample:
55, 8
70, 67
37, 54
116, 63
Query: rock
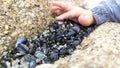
14, 34
6, 27
6, 32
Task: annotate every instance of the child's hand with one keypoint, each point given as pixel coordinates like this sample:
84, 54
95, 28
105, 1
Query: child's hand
77, 14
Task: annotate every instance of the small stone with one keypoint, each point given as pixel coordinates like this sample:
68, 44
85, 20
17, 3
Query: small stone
6, 27
5, 47
1, 41
14, 34
6, 32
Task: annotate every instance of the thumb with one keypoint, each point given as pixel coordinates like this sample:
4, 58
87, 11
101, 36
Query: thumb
84, 20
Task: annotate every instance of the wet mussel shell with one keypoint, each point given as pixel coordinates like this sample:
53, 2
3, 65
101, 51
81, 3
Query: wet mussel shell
60, 39
32, 64
21, 40
21, 45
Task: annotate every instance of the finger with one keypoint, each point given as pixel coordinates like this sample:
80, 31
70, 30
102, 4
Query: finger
66, 15
84, 20
72, 14
63, 16
59, 12
55, 8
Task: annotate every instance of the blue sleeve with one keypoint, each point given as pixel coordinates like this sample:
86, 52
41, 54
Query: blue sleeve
107, 11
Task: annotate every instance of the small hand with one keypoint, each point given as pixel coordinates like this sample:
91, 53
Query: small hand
77, 14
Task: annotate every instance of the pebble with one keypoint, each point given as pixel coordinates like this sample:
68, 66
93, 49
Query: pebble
6, 27
6, 32
14, 34
1, 41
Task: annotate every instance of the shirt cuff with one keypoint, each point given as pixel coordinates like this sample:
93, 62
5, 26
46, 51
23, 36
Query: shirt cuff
101, 14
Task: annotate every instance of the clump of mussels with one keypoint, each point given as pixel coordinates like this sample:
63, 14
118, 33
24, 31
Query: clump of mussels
59, 40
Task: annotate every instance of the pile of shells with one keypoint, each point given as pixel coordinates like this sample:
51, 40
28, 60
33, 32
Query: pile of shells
59, 40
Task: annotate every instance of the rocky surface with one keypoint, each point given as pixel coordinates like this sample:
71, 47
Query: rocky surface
29, 17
